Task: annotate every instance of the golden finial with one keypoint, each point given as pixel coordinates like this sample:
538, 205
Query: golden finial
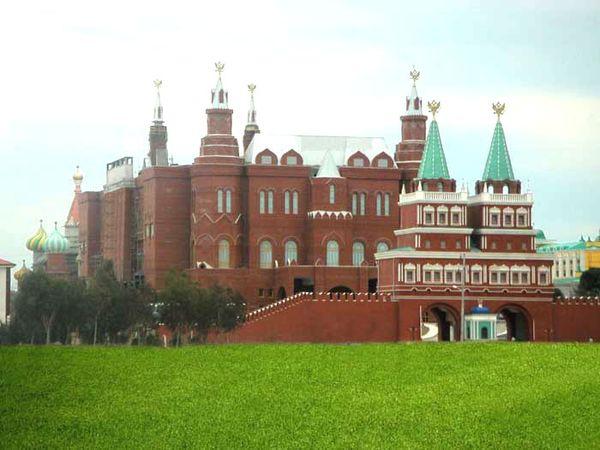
219, 67
157, 83
414, 75
433, 107
251, 88
498, 109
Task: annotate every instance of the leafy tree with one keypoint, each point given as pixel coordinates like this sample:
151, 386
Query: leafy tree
229, 305
103, 288
179, 303
589, 282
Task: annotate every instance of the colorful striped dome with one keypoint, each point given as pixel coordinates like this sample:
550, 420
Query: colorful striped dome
19, 274
56, 242
36, 242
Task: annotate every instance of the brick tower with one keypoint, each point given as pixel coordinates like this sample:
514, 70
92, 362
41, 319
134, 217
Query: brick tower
410, 150
158, 155
218, 140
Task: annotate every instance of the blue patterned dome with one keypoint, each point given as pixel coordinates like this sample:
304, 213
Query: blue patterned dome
56, 242
480, 309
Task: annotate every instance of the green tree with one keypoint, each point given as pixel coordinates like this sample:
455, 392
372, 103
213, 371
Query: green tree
229, 306
179, 303
589, 282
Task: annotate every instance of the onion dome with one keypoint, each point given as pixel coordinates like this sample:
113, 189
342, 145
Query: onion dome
36, 242
77, 179
480, 309
19, 274
56, 242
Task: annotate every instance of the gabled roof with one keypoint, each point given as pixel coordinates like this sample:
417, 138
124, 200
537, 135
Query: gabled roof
328, 167
313, 148
433, 164
5, 263
498, 166
73, 216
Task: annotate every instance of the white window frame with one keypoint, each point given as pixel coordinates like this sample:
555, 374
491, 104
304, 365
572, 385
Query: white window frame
358, 253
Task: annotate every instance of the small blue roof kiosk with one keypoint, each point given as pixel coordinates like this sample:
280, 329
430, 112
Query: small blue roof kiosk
480, 324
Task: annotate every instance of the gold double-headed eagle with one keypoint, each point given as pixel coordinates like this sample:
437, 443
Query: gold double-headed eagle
498, 108
433, 107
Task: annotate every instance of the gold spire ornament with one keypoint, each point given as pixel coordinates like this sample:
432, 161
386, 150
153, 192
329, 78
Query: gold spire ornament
251, 88
433, 107
414, 75
219, 67
157, 84
498, 109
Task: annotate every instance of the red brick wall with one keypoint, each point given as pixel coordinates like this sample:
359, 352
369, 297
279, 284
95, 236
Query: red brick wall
90, 211
117, 214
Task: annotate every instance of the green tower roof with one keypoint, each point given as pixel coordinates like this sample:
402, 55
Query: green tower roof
498, 166
433, 164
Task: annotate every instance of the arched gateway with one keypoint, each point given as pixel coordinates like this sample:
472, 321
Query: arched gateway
440, 322
517, 322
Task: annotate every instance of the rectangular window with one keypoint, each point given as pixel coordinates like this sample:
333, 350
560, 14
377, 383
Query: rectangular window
220, 200
524, 246
458, 245
270, 202
228, 201
494, 219
494, 277
363, 203
354, 203
266, 159
295, 202
515, 278
455, 218
386, 204
449, 277
458, 276
443, 244
378, 205
427, 244
508, 220
261, 196
358, 162
331, 194
442, 218
543, 278
286, 202
508, 246
428, 218
428, 277
525, 278
410, 276
503, 277
292, 160
261, 292
476, 277
382, 162
437, 276
521, 220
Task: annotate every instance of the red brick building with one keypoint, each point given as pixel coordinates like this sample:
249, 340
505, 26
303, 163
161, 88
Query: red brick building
333, 215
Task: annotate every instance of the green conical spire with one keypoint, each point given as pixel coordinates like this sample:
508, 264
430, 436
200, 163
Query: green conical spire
433, 164
498, 166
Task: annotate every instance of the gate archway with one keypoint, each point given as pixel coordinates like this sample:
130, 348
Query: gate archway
517, 322
446, 319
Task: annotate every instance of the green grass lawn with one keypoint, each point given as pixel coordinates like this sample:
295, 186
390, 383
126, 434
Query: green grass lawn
280, 396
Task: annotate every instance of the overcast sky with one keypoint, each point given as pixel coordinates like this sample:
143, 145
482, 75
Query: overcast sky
76, 84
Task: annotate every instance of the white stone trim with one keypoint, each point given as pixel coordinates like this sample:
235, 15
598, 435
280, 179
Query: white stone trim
436, 230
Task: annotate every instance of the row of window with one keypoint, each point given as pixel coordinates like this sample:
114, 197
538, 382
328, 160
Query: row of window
453, 274
359, 204
266, 201
292, 158
506, 217
444, 216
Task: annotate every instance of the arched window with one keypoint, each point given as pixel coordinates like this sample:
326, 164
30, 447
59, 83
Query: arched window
261, 196
354, 203
363, 202
378, 206
286, 202
223, 248
382, 247
291, 252
295, 202
270, 202
440, 186
386, 204
266, 255
220, 200
333, 253
228, 201
505, 189
358, 253
331, 194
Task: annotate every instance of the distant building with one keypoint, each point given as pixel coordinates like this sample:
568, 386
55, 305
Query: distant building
570, 260
5, 268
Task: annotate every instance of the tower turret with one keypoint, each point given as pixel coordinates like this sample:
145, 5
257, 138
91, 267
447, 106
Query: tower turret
158, 154
251, 125
498, 174
219, 140
410, 150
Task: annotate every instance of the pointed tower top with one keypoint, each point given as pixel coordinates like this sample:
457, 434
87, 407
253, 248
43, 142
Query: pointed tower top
433, 164
328, 167
498, 165
77, 179
414, 105
220, 97
158, 110
252, 109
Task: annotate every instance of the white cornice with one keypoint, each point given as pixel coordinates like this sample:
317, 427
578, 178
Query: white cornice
501, 199
436, 230
455, 198
413, 254
505, 231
